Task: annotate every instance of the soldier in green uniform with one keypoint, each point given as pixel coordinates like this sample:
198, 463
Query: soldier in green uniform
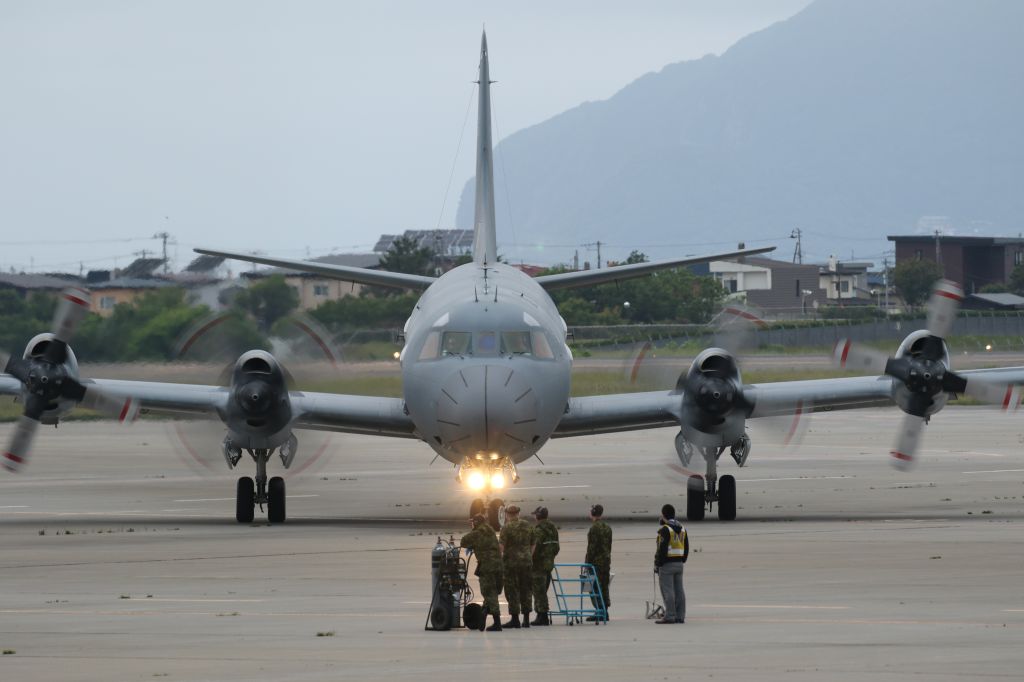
484, 543
516, 543
545, 548
599, 553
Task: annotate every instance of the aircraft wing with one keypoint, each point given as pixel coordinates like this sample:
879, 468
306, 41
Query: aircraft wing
319, 411
353, 414
631, 411
655, 409
398, 280
586, 278
9, 385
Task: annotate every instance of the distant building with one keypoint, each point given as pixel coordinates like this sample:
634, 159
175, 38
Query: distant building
845, 281
442, 242
25, 284
778, 288
993, 302
107, 295
313, 289
971, 261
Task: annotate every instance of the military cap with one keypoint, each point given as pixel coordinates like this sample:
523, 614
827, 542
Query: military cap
597, 510
541, 512
478, 519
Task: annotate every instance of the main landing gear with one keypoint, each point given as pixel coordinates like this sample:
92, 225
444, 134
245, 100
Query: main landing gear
702, 492
261, 491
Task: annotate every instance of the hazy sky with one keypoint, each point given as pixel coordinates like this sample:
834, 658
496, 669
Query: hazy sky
292, 126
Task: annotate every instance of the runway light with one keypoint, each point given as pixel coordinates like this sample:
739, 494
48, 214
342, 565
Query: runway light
476, 481
498, 480
988, 346
396, 355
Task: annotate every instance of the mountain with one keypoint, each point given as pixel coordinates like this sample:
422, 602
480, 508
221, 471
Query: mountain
852, 119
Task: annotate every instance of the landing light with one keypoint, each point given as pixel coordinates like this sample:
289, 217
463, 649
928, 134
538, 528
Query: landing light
396, 355
476, 481
988, 346
497, 480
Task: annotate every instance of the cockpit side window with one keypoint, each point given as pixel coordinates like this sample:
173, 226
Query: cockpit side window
431, 346
516, 343
541, 347
456, 343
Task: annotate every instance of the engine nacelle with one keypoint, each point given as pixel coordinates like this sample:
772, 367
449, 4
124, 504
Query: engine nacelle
713, 407
911, 395
259, 412
35, 350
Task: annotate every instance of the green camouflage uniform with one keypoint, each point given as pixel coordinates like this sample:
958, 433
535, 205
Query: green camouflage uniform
484, 543
516, 538
545, 537
599, 553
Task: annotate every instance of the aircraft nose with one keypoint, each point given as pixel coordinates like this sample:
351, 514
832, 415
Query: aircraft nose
487, 408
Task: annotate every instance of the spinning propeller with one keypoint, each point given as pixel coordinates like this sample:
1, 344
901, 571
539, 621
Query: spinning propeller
921, 371
48, 371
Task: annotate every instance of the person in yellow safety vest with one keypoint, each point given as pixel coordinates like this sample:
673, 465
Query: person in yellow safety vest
673, 550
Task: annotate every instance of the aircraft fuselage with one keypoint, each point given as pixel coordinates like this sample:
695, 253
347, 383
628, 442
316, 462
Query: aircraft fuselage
485, 367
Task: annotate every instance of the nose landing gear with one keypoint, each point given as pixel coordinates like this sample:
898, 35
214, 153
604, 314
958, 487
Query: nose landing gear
488, 476
261, 491
701, 497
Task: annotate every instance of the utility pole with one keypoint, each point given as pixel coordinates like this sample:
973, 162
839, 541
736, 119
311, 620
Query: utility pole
576, 260
163, 236
938, 251
885, 281
798, 250
598, 245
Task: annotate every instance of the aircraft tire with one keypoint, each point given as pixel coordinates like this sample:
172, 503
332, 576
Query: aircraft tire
477, 506
727, 498
496, 513
275, 500
245, 500
695, 498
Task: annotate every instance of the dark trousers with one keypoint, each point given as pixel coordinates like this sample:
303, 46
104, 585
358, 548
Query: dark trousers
604, 573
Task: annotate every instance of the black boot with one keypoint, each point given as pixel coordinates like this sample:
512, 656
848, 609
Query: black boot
483, 620
526, 619
513, 622
497, 623
541, 619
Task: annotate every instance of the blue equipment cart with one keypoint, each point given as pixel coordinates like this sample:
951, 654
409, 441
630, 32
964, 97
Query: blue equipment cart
577, 593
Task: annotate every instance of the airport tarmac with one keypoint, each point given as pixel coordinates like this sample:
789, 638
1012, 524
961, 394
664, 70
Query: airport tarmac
119, 563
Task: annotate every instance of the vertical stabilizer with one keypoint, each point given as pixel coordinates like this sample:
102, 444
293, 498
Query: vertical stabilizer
485, 248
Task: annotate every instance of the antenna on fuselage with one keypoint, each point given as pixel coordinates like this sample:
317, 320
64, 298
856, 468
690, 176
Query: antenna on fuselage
485, 249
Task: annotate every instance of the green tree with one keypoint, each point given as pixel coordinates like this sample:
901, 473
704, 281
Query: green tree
636, 257
268, 301
914, 280
406, 255
1016, 281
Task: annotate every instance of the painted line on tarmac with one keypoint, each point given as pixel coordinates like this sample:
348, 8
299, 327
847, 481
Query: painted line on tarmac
229, 601
549, 487
231, 499
993, 471
14, 506
772, 606
794, 478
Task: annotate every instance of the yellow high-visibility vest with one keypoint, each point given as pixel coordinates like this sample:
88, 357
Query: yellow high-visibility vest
676, 542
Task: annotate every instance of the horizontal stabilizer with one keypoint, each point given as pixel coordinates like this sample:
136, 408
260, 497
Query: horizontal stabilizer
586, 278
382, 278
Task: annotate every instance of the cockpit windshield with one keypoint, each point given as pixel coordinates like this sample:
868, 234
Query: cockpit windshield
533, 344
456, 343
